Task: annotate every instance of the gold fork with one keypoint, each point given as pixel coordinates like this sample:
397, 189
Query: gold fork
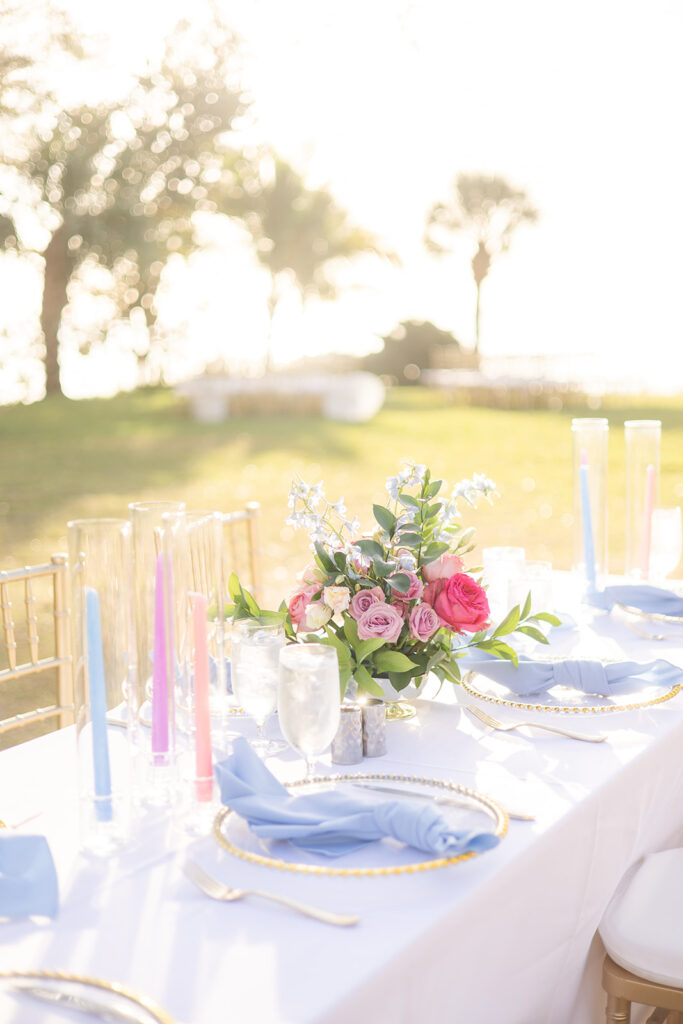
218, 891
506, 727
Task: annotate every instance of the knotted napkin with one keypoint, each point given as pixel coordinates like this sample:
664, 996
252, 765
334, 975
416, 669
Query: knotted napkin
582, 674
652, 600
28, 880
332, 823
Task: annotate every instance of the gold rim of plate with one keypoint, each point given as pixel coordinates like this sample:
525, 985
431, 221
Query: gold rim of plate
499, 816
151, 1007
650, 616
566, 709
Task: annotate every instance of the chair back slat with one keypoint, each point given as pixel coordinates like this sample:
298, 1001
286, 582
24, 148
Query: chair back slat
23, 635
242, 553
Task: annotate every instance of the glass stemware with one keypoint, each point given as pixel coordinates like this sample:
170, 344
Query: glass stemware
666, 543
254, 671
308, 698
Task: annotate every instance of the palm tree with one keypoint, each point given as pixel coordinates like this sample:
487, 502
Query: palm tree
487, 208
301, 235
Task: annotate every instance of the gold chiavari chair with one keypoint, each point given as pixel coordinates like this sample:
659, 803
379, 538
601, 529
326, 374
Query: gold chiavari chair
24, 654
242, 551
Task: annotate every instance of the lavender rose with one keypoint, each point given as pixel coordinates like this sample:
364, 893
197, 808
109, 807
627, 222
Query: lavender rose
423, 622
364, 599
380, 621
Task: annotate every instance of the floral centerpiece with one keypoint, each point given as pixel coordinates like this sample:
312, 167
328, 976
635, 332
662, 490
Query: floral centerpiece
397, 603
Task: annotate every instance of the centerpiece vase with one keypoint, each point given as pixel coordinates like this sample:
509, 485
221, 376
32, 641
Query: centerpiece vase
398, 707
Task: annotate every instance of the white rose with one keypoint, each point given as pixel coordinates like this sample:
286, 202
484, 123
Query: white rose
317, 615
337, 598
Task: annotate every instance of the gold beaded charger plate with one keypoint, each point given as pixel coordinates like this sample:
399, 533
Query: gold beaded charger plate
638, 613
464, 808
627, 696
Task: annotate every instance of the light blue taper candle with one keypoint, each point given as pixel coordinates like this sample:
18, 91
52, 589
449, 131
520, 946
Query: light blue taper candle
98, 707
588, 546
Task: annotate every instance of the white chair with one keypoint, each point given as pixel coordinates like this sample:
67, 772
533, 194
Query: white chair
642, 931
23, 651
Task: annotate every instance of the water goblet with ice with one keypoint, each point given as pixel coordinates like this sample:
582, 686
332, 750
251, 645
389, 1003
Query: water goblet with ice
308, 698
255, 650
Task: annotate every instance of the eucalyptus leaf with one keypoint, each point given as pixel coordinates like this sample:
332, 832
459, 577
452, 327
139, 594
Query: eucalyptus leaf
385, 518
399, 581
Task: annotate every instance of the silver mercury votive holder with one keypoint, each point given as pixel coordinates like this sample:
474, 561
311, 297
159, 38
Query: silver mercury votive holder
347, 745
374, 727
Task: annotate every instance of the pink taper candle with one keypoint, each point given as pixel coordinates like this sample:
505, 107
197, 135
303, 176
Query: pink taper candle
202, 720
159, 677
647, 520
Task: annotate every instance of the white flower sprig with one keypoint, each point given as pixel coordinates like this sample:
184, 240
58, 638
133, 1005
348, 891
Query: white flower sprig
324, 521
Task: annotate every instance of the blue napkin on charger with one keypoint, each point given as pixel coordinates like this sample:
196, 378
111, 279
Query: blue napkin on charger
334, 823
28, 880
582, 674
651, 600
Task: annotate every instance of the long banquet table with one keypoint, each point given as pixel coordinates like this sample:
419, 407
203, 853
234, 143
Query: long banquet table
509, 935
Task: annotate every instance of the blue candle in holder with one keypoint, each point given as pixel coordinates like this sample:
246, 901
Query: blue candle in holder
98, 707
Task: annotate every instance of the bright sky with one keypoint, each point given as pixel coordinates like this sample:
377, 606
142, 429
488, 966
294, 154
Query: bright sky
386, 101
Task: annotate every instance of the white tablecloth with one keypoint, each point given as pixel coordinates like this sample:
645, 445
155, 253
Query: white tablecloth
508, 935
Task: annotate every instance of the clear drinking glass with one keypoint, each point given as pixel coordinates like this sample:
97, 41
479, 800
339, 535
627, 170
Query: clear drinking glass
308, 698
537, 580
100, 572
502, 565
254, 668
153, 600
192, 548
666, 543
642, 438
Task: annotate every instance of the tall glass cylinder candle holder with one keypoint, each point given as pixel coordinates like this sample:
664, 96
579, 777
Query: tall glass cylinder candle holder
590, 498
100, 571
642, 439
153, 605
192, 545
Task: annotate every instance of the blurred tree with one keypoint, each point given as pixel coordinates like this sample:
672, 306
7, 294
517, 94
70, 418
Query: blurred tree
488, 209
117, 184
412, 346
302, 236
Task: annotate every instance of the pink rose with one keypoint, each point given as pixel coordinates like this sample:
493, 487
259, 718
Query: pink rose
443, 568
364, 599
299, 603
460, 603
424, 622
380, 621
414, 590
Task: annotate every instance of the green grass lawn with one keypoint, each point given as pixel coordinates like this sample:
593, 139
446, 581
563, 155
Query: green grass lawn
61, 460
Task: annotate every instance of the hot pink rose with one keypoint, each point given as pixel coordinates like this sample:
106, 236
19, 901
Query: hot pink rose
364, 599
443, 568
299, 603
460, 603
424, 622
380, 621
414, 590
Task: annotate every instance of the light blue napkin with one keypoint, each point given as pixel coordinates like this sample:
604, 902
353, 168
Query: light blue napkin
652, 600
333, 823
28, 880
588, 676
